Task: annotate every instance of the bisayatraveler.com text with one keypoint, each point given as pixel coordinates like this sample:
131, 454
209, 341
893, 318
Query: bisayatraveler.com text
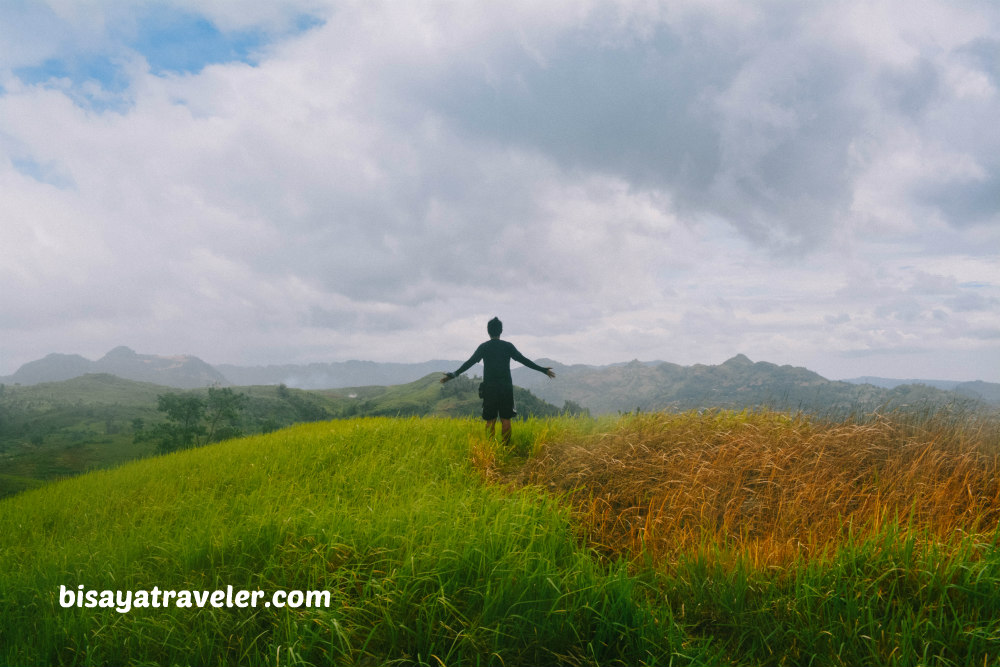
229, 598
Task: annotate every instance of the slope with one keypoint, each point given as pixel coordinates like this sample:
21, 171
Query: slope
421, 562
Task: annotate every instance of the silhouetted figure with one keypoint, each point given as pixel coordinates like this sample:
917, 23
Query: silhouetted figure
497, 390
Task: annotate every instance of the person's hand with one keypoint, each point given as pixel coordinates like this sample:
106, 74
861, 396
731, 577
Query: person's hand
445, 378
551, 373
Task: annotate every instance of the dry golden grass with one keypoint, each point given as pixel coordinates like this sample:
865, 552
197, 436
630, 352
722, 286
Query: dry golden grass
770, 486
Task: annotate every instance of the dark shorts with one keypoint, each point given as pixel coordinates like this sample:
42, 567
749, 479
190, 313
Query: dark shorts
498, 401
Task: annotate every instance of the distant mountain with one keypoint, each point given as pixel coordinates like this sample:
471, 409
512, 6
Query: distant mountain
988, 392
737, 383
182, 372
188, 372
983, 391
52, 368
892, 383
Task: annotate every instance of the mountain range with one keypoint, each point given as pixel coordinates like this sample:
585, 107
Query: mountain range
736, 383
646, 386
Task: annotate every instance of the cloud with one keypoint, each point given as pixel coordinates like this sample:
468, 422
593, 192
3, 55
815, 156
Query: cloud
774, 124
297, 181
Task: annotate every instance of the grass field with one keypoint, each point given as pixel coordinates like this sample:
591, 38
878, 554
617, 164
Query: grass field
716, 538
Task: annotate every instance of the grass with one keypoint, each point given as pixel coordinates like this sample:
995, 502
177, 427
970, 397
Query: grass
772, 487
425, 564
439, 547
889, 599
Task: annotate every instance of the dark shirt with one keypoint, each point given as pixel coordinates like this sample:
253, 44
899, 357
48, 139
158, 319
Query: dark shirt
496, 355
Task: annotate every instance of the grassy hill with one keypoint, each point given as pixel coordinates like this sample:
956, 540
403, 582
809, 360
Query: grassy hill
55, 429
435, 547
423, 560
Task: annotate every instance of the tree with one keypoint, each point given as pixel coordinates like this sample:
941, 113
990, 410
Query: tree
223, 413
183, 425
193, 421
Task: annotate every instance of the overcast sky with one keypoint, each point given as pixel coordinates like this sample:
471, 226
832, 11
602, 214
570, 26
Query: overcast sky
294, 181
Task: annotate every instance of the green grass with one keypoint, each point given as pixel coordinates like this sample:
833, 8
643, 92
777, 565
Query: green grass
428, 564
887, 600
423, 561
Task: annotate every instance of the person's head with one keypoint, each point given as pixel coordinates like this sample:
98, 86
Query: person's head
494, 327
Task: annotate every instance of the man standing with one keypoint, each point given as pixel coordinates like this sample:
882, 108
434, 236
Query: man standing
498, 387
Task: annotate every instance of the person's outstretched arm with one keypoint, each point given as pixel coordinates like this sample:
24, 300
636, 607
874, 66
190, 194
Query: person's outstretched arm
521, 359
476, 357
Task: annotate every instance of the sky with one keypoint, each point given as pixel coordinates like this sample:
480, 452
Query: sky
294, 181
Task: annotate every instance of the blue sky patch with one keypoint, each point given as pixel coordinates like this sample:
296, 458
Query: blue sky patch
43, 173
171, 42
78, 70
186, 43
93, 81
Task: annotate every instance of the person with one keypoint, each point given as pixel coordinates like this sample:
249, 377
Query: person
497, 390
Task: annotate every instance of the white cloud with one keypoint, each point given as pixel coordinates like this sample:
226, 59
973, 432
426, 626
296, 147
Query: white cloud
683, 181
